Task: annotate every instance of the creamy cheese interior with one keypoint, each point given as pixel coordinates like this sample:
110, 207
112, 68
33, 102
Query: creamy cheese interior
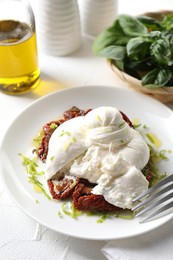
102, 148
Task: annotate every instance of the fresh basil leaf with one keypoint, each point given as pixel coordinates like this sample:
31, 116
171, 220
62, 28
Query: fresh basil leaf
161, 52
151, 23
117, 31
168, 36
153, 35
138, 48
167, 22
132, 26
114, 52
156, 78
103, 40
114, 35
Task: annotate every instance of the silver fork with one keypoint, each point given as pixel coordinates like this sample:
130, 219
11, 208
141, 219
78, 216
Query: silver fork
155, 200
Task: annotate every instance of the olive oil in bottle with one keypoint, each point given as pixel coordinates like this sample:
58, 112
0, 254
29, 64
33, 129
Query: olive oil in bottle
19, 70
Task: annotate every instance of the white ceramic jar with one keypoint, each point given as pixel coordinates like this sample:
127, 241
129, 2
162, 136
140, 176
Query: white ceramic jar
96, 15
58, 26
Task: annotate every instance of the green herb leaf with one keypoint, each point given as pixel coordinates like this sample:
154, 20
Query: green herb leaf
53, 126
161, 52
156, 78
151, 23
114, 52
167, 22
125, 214
132, 26
102, 218
114, 35
69, 209
151, 170
31, 168
138, 48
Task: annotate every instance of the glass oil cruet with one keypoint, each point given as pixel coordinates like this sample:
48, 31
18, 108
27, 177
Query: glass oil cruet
19, 71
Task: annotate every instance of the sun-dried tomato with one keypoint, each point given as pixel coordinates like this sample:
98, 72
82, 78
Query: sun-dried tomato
84, 200
63, 187
48, 130
148, 172
126, 119
74, 112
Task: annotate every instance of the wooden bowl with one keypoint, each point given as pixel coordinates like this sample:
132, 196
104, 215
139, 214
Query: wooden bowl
163, 94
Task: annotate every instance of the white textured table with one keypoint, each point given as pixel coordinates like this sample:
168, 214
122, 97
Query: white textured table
21, 237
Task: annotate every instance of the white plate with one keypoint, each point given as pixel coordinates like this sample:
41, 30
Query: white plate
27, 124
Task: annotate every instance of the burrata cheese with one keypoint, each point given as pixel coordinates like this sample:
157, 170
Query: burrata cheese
102, 148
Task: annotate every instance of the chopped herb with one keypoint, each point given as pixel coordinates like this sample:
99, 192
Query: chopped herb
120, 125
136, 126
52, 158
102, 218
33, 174
99, 119
67, 145
150, 138
59, 214
122, 141
145, 126
37, 201
65, 133
74, 139
69, 209
30, 165
151, 171
73, 184
35, 186
154, 139
162, 154
37, 140
157, 156
125, 214
53, 126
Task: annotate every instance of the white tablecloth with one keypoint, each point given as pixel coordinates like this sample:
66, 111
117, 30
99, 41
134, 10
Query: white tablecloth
21, 237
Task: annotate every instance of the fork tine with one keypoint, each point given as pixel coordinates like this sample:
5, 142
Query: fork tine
153, 196
160, 210
153, 188
156, 203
